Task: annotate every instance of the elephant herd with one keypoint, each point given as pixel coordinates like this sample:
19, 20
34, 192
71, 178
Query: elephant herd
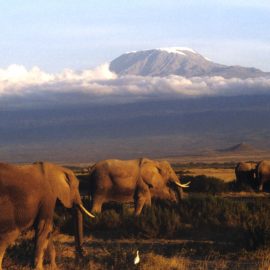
255, 175
28, 194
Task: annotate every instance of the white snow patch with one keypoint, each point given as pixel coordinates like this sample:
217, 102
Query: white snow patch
208, 59
179, 50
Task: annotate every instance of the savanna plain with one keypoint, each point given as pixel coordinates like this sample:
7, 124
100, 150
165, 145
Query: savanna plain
217, 225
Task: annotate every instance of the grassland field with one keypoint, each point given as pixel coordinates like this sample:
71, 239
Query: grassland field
209, 231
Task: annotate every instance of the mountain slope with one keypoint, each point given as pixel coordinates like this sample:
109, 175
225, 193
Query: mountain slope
239, 148
177, 61
152, 129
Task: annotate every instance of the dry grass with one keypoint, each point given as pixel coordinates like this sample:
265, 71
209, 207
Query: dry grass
159, 262
155, 254
119, 255
224, 174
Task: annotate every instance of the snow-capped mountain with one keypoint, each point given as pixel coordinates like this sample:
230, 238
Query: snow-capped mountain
177, 61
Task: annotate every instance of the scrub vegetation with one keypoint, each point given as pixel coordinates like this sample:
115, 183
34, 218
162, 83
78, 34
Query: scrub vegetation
209, 229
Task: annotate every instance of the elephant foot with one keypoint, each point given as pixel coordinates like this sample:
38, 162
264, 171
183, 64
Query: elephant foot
79, 256
53, 266
39, 268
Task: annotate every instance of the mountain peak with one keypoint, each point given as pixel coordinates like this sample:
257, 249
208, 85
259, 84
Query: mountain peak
178, 50
240, 147
181, 61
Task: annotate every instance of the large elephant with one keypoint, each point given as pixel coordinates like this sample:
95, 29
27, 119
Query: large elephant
245, 174
28, 195
133, 181
262, 174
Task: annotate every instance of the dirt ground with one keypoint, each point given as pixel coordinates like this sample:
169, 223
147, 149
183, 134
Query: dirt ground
154, 254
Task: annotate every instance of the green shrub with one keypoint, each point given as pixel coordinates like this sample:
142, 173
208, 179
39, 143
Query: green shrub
158, 221
205, 184
256, 223
245, 221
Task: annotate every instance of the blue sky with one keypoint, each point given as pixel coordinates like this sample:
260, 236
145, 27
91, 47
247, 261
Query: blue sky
59, 34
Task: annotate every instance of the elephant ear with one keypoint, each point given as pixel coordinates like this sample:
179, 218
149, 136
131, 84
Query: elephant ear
163, 168
150, 174
60, 183
63, 190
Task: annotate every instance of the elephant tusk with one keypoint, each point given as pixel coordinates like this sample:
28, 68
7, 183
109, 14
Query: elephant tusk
83, 209
186, 185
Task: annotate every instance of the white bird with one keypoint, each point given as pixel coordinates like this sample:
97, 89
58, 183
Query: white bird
137, 258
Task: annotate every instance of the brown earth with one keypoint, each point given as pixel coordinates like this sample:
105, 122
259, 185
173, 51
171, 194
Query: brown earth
154, 254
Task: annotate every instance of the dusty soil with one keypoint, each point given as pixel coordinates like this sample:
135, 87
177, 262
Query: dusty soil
154, 254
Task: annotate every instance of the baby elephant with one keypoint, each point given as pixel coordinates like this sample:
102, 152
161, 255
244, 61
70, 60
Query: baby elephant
28, 194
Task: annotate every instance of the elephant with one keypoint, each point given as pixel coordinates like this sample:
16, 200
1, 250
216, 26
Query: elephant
245, 174
262, 174
136, 181
28, 194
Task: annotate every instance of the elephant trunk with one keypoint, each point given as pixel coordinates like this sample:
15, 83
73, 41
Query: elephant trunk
78, 230
78, 224
178, 187
180, 193
258, 179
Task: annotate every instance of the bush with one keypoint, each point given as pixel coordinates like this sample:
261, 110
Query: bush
21, 251
158, 221
245, 221
256, 224
243, 187
205, 184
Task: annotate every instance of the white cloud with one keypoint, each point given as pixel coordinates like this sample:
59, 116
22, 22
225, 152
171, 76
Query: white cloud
100, 84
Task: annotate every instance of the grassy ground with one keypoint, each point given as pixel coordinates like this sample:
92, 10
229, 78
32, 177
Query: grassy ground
154, 254
214, 228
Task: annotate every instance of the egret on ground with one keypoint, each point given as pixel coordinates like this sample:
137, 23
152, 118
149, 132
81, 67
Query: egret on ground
137, 258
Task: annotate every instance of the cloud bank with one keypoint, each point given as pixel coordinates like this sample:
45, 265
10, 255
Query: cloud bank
101, 85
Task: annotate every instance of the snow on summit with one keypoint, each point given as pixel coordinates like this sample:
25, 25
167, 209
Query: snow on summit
179, 50
181, 61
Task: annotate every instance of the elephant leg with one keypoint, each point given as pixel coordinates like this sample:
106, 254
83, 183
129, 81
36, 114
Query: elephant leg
5, 241
261, 184
52, 254
3, 247
139, 203
43, 232
2, 253
148, 202
141, 199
